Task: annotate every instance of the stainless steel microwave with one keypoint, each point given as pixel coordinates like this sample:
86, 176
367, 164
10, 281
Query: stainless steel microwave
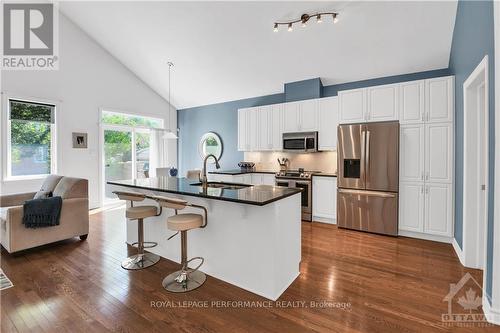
303, 142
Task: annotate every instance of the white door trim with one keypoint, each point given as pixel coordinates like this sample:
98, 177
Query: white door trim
495, 294
474, 223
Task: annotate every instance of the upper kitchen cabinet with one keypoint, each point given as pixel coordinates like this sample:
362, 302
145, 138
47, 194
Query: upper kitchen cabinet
300, 116
439, 102
328, 121
308, 115
352, 105
291, 117
383, 103
243, 130
265, 124
269, 127
276, 128
248, 129
412, 102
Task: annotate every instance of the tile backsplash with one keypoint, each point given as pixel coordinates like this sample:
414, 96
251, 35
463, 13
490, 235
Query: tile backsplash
323, 161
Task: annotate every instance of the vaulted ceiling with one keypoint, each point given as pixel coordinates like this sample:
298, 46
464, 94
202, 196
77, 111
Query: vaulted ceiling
225, 51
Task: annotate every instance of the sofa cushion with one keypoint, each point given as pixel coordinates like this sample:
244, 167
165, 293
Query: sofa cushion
49, 184
69, 188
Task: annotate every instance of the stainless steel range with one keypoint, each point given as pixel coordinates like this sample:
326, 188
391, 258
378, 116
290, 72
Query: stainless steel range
302, 179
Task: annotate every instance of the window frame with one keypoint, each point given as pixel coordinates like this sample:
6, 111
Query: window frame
7, 146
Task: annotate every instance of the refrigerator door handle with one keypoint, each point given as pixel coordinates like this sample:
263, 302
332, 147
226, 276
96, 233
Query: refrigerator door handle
368, 193
363, 157
367, 155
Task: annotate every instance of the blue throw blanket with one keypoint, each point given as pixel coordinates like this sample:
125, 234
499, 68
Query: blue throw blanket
42, 212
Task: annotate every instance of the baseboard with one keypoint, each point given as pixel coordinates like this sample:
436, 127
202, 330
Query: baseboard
324, 220
492, 315
458, 251
435, 238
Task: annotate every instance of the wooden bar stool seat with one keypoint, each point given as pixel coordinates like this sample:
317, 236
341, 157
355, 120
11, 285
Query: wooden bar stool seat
142, 259
186, 279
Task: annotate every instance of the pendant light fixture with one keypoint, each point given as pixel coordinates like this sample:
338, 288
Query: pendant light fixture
168, 133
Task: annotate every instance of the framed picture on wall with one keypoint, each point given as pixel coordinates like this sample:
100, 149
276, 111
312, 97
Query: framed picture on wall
79, 140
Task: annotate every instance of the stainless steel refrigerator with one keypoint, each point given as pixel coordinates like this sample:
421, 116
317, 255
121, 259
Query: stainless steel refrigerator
368, 177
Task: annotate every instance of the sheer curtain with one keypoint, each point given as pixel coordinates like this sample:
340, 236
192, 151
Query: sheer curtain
159, 151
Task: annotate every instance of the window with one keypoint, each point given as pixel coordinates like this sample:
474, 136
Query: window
31, 138
115, 118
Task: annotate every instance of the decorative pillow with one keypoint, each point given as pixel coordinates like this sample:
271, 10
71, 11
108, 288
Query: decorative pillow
42, 194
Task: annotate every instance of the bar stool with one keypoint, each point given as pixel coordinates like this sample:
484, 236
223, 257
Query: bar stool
186, 279
141, 259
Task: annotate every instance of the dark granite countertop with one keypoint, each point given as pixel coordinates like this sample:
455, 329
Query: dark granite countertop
239, 172
258, 195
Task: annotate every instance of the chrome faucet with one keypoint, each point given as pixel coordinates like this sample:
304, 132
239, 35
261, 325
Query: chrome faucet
203, 175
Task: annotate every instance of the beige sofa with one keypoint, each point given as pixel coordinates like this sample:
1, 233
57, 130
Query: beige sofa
74, 221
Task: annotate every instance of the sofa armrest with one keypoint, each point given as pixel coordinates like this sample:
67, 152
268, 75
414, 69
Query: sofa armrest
15, 199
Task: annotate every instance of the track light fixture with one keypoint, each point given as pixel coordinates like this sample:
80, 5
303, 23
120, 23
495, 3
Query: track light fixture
304, 18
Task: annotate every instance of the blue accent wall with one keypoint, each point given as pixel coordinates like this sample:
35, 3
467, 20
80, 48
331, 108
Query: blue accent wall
220, 118
301, 90
472, 40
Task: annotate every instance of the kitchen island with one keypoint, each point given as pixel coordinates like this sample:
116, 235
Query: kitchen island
252, 239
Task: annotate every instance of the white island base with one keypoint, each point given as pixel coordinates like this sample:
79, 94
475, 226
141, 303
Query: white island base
257, 248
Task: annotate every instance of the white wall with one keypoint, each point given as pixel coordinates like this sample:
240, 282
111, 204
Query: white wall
88, 78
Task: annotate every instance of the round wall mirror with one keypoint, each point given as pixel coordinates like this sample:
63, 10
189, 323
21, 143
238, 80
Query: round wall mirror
210, 143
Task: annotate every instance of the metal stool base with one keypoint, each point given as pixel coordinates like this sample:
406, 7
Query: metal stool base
194, 280
140, 261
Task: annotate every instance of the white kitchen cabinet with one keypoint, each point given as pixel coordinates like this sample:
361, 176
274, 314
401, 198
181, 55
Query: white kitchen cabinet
438, 209
426, 208
439, 152
411, 152
308, 116
328, 121
324, 199
223, 178
383, 103
268, 179
243, 130
411, 206
439, 99
276, 127
262, 179
291, 117
301, 116
242, 179
256, 178
412, 102
352, 106
254, 129
265, 123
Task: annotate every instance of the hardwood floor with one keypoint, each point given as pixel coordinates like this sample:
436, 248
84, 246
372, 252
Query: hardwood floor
391, 284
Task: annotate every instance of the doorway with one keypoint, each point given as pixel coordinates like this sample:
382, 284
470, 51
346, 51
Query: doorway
475, 201
125, 149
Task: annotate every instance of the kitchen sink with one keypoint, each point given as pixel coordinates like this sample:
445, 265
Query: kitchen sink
228, 186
